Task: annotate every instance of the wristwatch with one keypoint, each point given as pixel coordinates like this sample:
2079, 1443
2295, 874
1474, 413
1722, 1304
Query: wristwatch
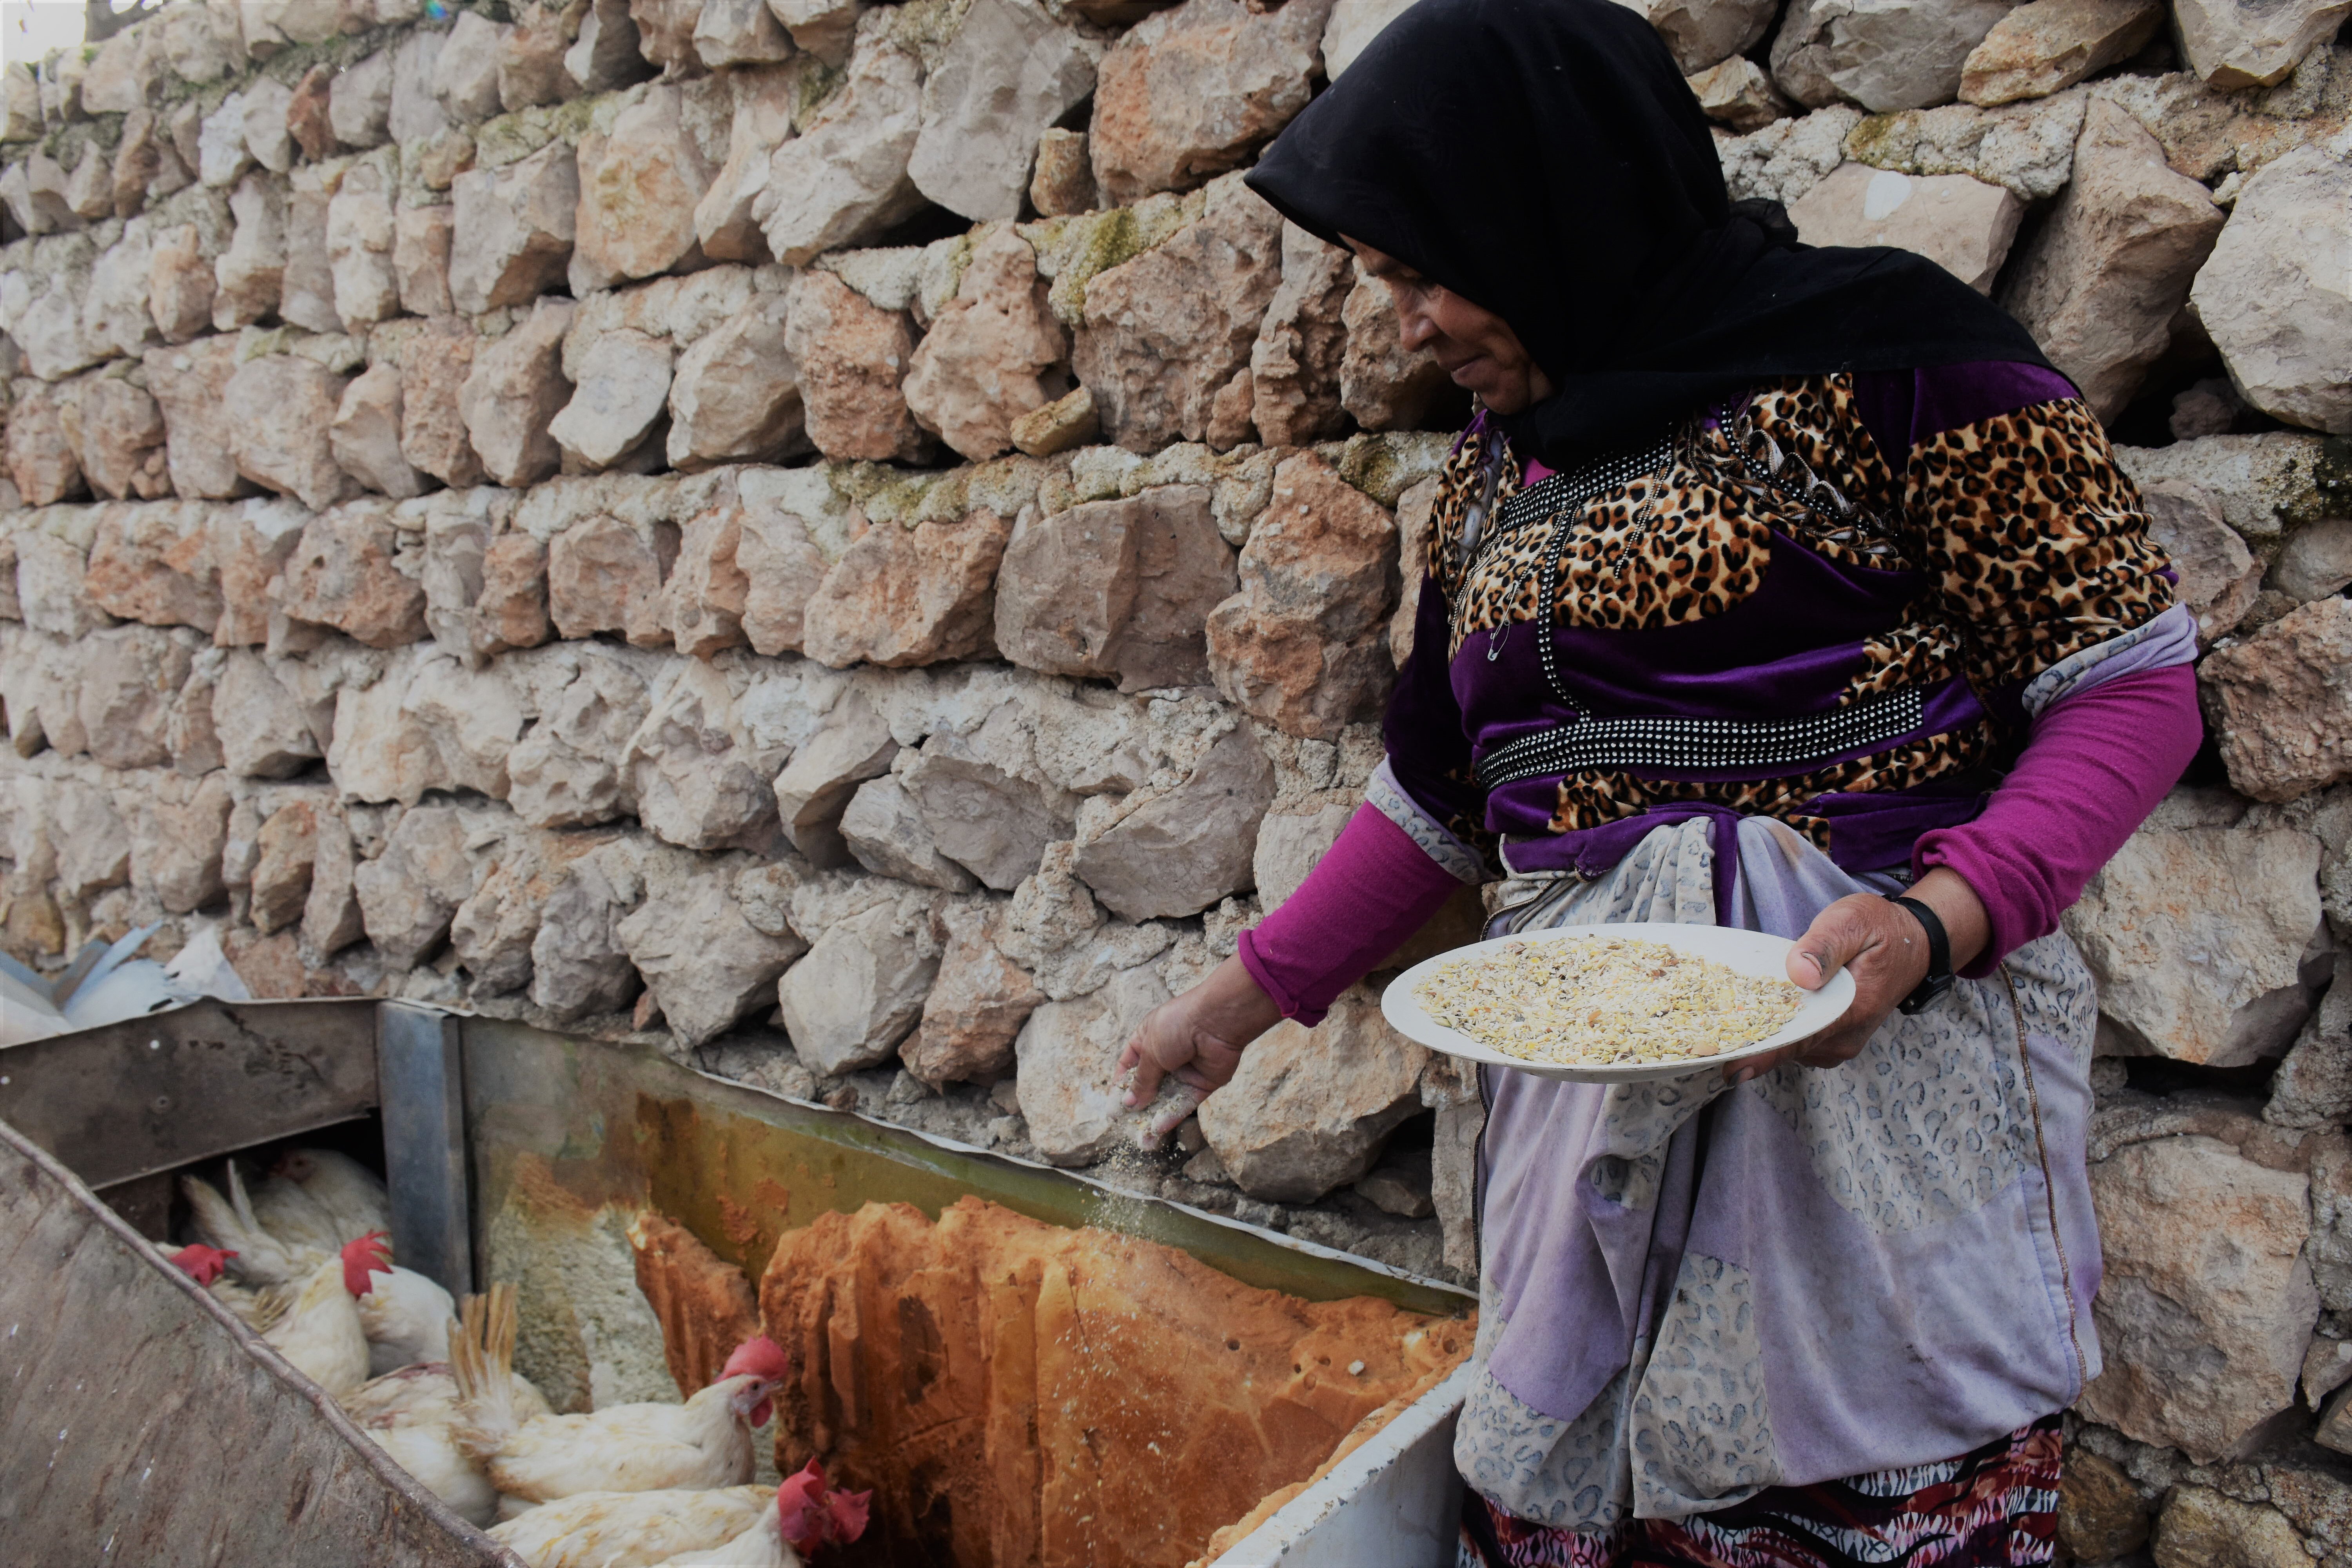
1939, 975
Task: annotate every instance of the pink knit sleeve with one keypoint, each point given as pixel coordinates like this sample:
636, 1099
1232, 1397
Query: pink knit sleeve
2096, 764
1375, 887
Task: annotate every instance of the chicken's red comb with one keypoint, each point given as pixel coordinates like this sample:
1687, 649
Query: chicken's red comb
201, 1263
370, 1254
762, 1357
844, 1515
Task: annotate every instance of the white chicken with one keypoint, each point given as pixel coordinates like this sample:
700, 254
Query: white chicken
321, 1332
804, 1515
353, 1195
705, 1442
230, 1225
405, 1317
632, 1530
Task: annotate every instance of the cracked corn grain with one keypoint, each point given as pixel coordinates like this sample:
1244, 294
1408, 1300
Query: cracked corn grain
1591, 1001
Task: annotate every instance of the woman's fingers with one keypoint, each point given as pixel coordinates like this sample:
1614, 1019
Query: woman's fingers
1882, 946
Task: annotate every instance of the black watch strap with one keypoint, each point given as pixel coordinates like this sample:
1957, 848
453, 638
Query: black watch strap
1938, 978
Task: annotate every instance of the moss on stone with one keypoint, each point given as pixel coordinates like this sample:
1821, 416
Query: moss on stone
817, 84
1084, 247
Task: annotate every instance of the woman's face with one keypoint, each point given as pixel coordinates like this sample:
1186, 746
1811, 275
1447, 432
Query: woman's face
1476, 347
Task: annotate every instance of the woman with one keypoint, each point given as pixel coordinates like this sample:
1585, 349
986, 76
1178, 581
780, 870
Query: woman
1770, 585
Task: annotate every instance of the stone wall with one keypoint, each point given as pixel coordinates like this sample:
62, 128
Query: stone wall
842, 542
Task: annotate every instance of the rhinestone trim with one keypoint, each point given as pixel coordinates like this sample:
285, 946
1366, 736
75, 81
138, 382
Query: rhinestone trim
1671, 743
1577, 486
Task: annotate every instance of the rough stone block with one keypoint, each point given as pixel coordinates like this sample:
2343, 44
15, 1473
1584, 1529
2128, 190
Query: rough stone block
1194, 90
903, 596
737, 396
977, 1004
621, 382
281, 410
990, 355
851, 355
853, 745
705, 964
1118, 589
1961, 224
2273, 295
1310, 1108
2047, 45
2245, 43
1882, 54
1179, 851
512, 392
638, 187
2278, 702
513, 229
885, 834
1010, 72
860, 990
346, 573
365, 435
844, 179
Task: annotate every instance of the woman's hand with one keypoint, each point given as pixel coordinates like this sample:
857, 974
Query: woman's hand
1197, 1040
1886, 948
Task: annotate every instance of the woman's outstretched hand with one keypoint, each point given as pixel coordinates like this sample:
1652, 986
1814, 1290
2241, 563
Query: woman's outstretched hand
1197, 1040
1886, 948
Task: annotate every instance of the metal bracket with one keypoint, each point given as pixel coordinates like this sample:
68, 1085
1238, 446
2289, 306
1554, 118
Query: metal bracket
420, 1071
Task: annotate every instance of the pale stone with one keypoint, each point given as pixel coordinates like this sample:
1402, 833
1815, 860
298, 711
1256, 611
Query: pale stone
1177, 852
903, 596
825, 28
2312, 1086
130, 676
1353, 25
638, 187
511, 612
1061, 183
94, 846
2275, 298
156, 564
603, 576
345, 573
2202, 1528
199, 44
434, 365
578, 966
977, 1004
1309, 1108
2046, 45
2264, 481
2248, 43
2278, 700
2208, 1303
407, 894
1071, 1092
2315, 563
180, 284
844, 179
885, 834
1739, 93
1295, 362
2218, 575
306, 290
115, 315
465, 73
358, 104
1882, 54
851, 355
1382, 383
698, 783
122, 439
565, 773
513, 394
331, 914
853, 745
982, 815
986, 359
1196, 90
282, 409
705, 964
605, 54
1301, 645
365, 435
42, 461
221, 153
420, 260
182, 829
1289, 845
415, 114
621, 384
1962, 224
531, 58
794, 527
702, 601
492, 931
2112, 263
250, 276
513, 229
860, 989
1705, 33
737, 396
251, 543
282, 869
358, 250
456, 540
51, 595
2246, 901
1010, 72
739, 32
723, 219
666, 35
1166, 332
263, 732
1118, 589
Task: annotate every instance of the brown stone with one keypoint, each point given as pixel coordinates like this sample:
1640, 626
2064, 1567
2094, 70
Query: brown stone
977, 1004
2101, 1515
420, 260
602, 576
1383, 385
281, 868
852, 355
1064, 425
308, 119
512, 610
2048, 45
1302, 645
434, 365
904, 596
2281, 703
1118, 589
1962, 224
281, 407
1738, 93
1062, 185
985, 360
122, 453
250, 545
638, 187
190, 385
2205, 1529
41, 460
1194, 90
342, 574
513, 392
154, 564
703, 597
330, 915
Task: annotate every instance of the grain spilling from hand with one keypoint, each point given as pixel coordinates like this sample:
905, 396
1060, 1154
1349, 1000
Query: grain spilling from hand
1589, 1001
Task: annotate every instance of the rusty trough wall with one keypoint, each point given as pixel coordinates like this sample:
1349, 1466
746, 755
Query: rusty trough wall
721, 525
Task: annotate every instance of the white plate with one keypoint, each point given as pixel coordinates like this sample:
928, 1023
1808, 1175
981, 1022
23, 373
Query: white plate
1747, 951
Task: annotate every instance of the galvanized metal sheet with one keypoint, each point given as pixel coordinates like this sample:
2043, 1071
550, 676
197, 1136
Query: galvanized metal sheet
140, 1423
420, 1072
151, 1094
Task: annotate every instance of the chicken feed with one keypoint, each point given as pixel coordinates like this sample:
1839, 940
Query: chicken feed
1596, 1001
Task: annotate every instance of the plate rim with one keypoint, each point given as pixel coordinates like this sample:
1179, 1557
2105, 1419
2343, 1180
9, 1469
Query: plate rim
1399, 994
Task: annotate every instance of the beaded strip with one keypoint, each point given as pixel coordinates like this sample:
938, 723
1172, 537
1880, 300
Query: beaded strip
1678, 742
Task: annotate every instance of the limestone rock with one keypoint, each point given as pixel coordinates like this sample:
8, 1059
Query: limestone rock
122, 439
470, 717
2202, 1528
853, 745
885, 833
358, 250
41, 460
2101, 1515
606, 53
1295, 363
116, 319
578, 966
703, 600
1963, 225
903, 596
1310, 1108
844, 178
282, 407
2274, 300
2208, 1303
2111, 264
155, 563
2313, 1087
762, 121
1739, 93
1177, 853
1289, 844
1301, 645
415, 114
221, 153
851, 355
737, 396
420, 260
346, 573
513, 229
1882, 54
1194, 90
2314, 563
2277, 702
795, 528
621, 384
699, 782
603, 576
51, 592
306, 289
249, 278
511, 610
977, 1004
466, 72
1062, 181
1064, 425
2218, 575
1705, 33
2246, 901
1010, 72
824, 28
1169, 330
1384, 385
407, 894
985, 360
365, 435
638, 187
739, 32
434, 365
513, 394
530, 59
1071, 1091
2047, 45
703, 963
566, 773
180, 284
331, 914
1118, 589
358, 104
263, 732
130, 676
310, 114
2243, 43
860, 990
190, 385
984, 809
183, 827
282, 869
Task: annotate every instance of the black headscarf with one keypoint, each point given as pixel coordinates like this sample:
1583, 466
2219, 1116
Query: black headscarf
1545, 160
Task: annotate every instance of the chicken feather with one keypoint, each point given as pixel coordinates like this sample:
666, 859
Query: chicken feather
632, 1530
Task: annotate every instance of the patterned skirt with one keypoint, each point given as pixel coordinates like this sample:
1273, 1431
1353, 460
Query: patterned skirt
1993, 1507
